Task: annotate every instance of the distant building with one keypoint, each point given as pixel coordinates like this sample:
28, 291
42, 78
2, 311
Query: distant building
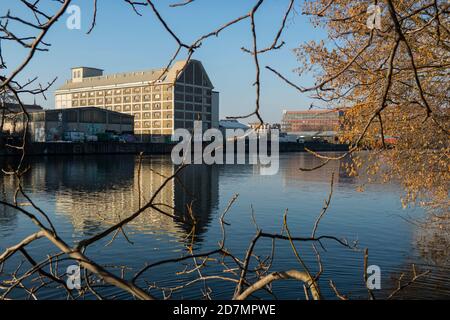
264, 129
311, 124
75, 124
11, 116
260, 126
159, 101
265, 126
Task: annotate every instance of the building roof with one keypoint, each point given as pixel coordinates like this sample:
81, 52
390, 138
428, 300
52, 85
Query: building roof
148, 76
232, 124
15, 107
84, 109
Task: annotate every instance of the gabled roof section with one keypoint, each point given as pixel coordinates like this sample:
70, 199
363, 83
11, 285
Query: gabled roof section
178, 68
205, 73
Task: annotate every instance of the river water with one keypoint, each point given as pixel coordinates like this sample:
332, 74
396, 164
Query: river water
83, 195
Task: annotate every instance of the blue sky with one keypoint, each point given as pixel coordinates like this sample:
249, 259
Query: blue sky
123, 41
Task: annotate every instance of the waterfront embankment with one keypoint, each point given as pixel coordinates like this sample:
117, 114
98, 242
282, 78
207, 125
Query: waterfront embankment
58, 148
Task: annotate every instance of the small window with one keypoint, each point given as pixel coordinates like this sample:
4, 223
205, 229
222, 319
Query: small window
179, 89
179, 115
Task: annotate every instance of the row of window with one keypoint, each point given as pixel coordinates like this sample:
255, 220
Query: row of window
154, 131
152, 115
311, 116
179, 106
192, 116
153, 124
189, 124
127, 91
190, 98
168, 124
136, 107
127, 99
193, 90
145, 107
158, 106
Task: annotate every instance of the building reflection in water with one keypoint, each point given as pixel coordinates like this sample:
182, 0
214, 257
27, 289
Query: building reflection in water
96, 192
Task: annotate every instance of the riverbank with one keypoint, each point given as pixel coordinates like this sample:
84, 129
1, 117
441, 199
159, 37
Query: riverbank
58, 148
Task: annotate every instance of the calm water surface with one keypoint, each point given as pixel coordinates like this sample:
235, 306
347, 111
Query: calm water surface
85, 195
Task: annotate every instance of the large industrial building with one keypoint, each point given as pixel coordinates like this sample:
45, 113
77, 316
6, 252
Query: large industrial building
312, 123
160, 100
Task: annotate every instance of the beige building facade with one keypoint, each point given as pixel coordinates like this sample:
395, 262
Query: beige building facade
160, 100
